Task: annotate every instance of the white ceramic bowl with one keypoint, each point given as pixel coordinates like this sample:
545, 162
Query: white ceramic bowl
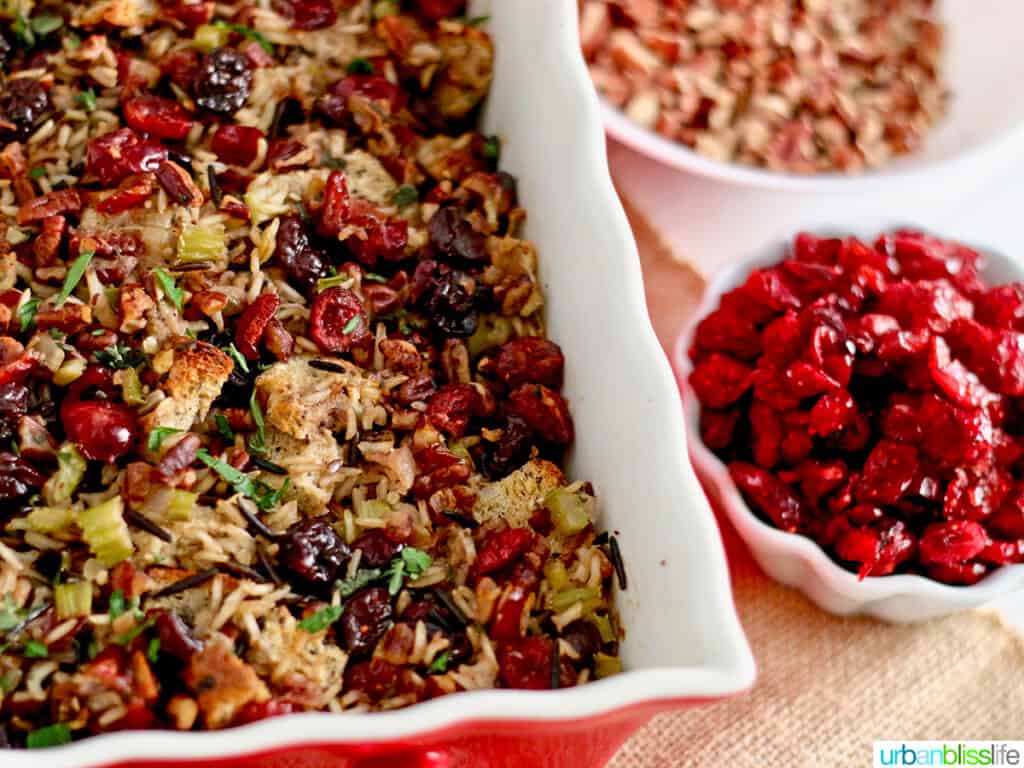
684, 644
795, 560
983, 50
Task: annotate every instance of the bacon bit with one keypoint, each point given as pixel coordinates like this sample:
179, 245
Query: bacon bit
39, 208
134, 303
205, 303
179, 184
222, 682
146, 686
69, 318
47, 242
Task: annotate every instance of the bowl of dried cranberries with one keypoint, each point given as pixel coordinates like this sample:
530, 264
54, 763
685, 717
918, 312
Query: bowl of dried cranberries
858, 406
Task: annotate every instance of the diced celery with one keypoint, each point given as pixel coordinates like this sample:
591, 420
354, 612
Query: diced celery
71, 468
106, 532
606, 666
384, 8
72, 367
462, 452
131, 387
73, 600
202, 242
208, 36
492, 331
569, 513
374, 508
603, 623
589, 596
50, 519
181, 505
556, 575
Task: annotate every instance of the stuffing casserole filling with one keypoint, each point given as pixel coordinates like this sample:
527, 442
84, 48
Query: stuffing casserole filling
280, 429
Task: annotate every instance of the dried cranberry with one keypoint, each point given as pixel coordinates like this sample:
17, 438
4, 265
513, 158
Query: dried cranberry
766, 435
526, 663
530, 360
1001, 307
451, 408
115, 155
719, 380
308, 14
236, 144
313, 554
132, 192
17, 477
382, 238
192, 15
102, 430
507, 622
223, 81
175, 636
585, 639
23, 104
511, 451
255, 711
782, 340
878, 550
975, 494
454, 238
337, 320
157, 116
833, 412
771, 496
953, 379
1003, 552
451, 304
13, 405
335, 102
334, 211
364, 621
889, 472
301, 261
728, 332
378, 550
952, 542
376, 678
501, 549
253, 322
545, 411
963, 574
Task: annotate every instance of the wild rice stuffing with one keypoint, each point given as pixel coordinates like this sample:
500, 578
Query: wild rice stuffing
802, 86
280, 429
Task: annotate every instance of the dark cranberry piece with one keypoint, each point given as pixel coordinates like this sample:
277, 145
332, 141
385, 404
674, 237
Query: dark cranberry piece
511, 451
22, 106
417, 388
115, 155
879, 550
255, 711
102, 430
302, 263
17, 478
175, 636
440, 9
889, 472
236, 144
772, 497
526, 663
454, 238
719, 381
337, 320
377, 549
545, 411
313, 554
334, 103
530, 360
157, 116
952, 542
501, 549
253, 322
451, 408
451, 304
383, 238
585, 639
223, 81
13, 405
334, 211
308, 14
376, 678
365, 619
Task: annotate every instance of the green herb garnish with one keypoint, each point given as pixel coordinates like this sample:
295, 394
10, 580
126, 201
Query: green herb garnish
7, 682
359, 67
266, 497
75, 272
45, 23
440, 663
492, 148
87, 99
169, 288
362, 578
27, 314
352, 324
332, 282
36, 650
119, 356
134, 632
153, 650
321, 620
257, 444
237, 356
158, 435
405, 195
247, 32
476, 21
411, 562
38, 172
11, 616
116, 603
223, 427
50, 736
373, 277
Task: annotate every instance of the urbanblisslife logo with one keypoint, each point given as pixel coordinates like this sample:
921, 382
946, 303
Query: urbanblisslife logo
949, 753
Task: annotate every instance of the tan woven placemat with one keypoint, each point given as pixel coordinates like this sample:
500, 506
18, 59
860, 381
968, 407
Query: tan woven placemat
827, 687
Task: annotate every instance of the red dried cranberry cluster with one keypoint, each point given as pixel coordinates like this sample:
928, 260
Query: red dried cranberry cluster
870, 399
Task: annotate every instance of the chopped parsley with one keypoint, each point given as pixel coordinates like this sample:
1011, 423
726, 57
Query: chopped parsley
36, 650
359, 67
153, 650
158, 435
119, 356
373, 277
440, 663
75, 272
7, 682
87, 99
170, 289
50, 736
257, 444
411, 562
247, 32
27, 314
405, 196
134, 632
117, 606
321, 620
476, 21
237, 356
492, 148
45, 23
28, 30
354, 322
223, 427
38, 172
10, 616
265, 496
332, 282
363, 577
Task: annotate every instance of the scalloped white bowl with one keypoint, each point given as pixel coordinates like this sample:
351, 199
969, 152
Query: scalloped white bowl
796, 560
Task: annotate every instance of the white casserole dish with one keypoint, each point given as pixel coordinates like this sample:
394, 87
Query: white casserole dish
684, 643
793, 559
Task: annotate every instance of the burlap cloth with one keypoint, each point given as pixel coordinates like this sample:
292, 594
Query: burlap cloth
827, 687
